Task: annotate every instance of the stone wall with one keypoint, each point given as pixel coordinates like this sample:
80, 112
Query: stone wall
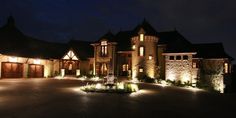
148, 65
180, 70
212, 71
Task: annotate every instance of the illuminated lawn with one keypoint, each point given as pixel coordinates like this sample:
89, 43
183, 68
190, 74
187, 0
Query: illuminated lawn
42, 98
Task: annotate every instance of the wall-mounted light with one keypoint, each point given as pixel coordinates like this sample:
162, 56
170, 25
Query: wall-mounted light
12, 59
133, 47
150, 57
37, 61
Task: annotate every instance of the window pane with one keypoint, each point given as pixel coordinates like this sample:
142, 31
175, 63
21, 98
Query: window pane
172, 58
141, 51
141, 37
185, 57
178, 57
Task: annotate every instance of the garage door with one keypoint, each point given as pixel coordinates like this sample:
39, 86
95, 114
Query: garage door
12, 70
36, 71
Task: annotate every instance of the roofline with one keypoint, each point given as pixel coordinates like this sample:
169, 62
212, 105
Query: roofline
179, 53
94, 44
27, 57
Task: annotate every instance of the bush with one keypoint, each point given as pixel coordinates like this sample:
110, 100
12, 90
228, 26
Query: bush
145, 78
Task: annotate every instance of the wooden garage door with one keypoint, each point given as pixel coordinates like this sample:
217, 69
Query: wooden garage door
36, 71
12, 70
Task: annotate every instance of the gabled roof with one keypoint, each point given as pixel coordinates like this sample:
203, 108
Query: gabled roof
123, 39
15, 43
109, 36
145, 25
175, 42
82, 49
211, 50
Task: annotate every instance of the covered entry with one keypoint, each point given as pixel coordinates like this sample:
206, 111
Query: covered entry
70, 62
12, 70
36, 71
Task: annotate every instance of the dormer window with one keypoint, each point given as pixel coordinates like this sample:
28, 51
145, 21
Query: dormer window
104, 48
141, 37
104, 43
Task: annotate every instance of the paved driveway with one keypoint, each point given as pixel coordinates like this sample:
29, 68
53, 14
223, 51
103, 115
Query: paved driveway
47, 98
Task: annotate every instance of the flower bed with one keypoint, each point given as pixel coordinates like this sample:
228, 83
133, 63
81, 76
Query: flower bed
111, 88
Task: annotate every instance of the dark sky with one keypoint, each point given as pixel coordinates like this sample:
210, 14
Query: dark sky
200, 21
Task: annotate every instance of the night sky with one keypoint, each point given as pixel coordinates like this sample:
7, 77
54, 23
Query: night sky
200, 21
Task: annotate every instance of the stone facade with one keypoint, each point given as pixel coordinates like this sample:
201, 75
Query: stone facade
179, 68
145, 63
104, 64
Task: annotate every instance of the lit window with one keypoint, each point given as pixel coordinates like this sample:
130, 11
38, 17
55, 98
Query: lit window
141, 37
104, 43
70, 66
226, 68
125, 67
104, 68
133, 47
141, 51
194, 64
150, 57
140, 70
103, 48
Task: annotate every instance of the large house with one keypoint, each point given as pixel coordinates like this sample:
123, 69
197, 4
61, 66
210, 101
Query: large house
140, 51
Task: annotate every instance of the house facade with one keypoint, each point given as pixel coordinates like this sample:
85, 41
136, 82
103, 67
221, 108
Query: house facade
140, 51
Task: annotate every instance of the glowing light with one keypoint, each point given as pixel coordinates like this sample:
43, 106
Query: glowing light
120, 85
141, 51
37, 61
185, 77
140, 69
150, 57
163, 83
226, 67
98, 86
171, 76
134, 87
62, 72
133, 47
141, 37
77, 72
12, 59
46, 72
70, 55
193, 89
140, 92
95, 78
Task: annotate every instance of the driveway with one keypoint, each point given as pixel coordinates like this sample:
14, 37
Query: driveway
50, 98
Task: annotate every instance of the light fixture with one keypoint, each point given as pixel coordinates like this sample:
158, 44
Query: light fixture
12, 59
37, 61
